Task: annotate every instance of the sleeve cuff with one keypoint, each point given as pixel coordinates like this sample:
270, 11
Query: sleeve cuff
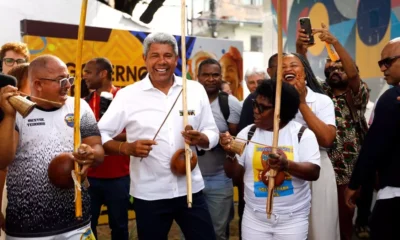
212, 139
105, 138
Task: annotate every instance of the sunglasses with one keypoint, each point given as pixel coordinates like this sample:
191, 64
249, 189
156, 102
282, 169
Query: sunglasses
387, 62
10, 61
261, 108
63, 82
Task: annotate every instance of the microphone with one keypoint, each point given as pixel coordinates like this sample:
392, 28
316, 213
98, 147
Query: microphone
6, 80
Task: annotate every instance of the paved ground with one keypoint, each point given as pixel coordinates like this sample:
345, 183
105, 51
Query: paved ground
103, 231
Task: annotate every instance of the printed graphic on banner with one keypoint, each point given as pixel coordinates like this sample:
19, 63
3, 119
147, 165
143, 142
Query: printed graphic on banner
125, 51
260, 164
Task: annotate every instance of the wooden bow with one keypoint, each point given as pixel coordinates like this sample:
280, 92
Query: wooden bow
184, 102
77, 107
272, 172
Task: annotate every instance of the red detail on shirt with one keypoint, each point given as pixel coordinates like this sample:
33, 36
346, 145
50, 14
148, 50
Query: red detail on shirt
113, 166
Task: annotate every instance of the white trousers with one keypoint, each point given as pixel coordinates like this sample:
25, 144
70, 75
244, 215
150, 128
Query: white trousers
324, 216
83, 233
256, 226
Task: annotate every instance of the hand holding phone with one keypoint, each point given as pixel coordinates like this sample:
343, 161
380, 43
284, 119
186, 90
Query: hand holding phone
305, 24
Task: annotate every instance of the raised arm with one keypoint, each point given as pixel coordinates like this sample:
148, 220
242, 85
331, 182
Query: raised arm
325, 133
348, 64
323, 122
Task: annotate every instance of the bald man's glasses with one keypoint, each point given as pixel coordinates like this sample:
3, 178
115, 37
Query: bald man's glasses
63, 82
387, 62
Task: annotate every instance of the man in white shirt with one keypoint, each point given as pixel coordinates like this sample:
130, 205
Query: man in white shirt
159, 195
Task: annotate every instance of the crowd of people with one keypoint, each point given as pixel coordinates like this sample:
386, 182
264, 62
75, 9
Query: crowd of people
329, 160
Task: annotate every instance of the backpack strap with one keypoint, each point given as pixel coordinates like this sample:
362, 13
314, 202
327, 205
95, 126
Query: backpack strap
224, 104
253, 128
251, 132
301, 131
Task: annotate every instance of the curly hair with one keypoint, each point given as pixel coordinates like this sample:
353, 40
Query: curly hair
18, 47
290, 99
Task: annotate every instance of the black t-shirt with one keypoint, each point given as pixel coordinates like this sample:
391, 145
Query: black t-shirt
247, 115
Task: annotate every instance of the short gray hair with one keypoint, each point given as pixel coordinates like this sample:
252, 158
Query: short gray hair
255, 71
162, 38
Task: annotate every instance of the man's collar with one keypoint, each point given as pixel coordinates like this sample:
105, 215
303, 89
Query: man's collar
148, 85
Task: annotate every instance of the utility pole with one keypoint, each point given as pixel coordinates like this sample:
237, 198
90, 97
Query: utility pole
213, 22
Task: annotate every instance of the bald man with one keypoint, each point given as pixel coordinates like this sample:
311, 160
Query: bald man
38, 210
379, 152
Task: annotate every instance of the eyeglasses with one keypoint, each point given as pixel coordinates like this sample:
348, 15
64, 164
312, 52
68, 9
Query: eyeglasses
10, 61
210, 75
63, 82
260, 108
387, 62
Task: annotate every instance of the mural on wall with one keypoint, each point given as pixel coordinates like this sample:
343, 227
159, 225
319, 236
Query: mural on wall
362, 26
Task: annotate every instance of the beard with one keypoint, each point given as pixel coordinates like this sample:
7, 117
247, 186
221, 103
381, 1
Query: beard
336, 81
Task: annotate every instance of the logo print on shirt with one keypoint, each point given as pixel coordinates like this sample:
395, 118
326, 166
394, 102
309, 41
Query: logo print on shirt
88, 235
36, 122
69, 119
260, 162
190, 113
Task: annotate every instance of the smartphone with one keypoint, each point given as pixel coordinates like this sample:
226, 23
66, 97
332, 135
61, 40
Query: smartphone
305, 24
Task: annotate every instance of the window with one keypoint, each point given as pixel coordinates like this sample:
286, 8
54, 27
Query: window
253, 2
256, 43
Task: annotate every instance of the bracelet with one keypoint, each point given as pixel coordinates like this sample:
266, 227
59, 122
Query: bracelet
119, 148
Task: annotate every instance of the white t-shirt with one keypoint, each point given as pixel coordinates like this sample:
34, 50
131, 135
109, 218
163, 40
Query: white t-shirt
321, 105
294, 195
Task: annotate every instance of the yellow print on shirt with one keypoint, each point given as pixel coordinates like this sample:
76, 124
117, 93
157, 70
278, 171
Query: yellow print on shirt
260, 167
88, 235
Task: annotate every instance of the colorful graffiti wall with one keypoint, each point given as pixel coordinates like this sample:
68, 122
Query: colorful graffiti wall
362, 26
